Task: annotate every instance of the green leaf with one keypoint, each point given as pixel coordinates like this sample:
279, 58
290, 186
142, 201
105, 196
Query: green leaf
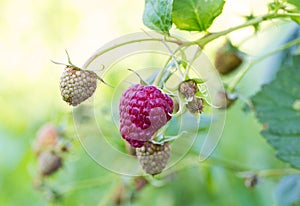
296, 19
276, 107
295, 2
158, 15
196, 15
288, 190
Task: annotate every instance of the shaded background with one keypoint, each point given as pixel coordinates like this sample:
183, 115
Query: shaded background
32, 32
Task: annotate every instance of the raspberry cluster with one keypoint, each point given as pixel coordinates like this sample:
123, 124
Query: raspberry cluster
48, 149
188, 90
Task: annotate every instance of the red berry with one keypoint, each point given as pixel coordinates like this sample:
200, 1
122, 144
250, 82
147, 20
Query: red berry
153, 157
143, 111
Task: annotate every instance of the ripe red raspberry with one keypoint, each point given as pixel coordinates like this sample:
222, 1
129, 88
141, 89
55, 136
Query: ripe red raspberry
143, 111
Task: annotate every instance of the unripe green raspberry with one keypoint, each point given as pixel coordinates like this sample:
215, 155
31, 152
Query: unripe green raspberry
153, 157
77, 85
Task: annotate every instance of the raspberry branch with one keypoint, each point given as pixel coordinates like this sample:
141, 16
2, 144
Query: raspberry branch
212, 36
232, 86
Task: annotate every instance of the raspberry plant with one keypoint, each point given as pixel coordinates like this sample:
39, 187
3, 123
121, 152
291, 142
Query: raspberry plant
146, 110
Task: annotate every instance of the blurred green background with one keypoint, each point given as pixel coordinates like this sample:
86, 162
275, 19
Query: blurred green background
33, 32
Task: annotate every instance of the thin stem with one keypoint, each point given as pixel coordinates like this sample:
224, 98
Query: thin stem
241, 74
240, 170
230, 165
187, 163
137, 74
109, 195
87, 183
162, 71
196, 55
104, 201
174, 58
210, 37
269, 172
193, 161
126, 43
202, 41
277, 172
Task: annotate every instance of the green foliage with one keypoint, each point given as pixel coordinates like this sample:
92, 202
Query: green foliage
190, 15
196, 15
288, 190
158, 15
275, 108
215, 181
295, 2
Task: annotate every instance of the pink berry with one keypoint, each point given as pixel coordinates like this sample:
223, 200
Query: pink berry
143, 111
